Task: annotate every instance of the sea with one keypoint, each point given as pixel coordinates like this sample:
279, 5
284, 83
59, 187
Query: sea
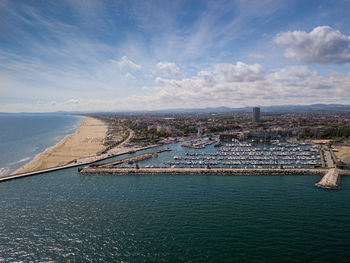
63, 216
23, 136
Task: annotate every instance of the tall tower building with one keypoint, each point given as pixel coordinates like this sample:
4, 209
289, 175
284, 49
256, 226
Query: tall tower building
256, 114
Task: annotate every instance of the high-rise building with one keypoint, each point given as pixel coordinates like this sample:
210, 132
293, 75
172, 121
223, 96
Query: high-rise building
256, 114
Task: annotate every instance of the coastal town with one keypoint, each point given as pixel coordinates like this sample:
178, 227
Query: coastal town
329, 129
150, 129
231, 142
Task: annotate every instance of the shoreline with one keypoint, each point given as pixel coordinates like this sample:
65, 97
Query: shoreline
85, 142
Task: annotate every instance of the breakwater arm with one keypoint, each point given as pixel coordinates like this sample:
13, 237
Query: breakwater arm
330, 180
191, 171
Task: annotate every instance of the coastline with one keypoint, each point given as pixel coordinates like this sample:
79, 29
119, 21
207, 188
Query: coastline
85, 142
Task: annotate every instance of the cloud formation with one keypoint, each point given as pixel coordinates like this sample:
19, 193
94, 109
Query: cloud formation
216, 87
126, 63
240, 72
323, 45
230, 86
171, 69
119, 55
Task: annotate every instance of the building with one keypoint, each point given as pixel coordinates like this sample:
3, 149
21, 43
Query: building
229, 137
200, 131
256, 114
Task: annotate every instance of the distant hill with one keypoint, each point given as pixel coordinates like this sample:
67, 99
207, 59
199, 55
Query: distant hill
314, 108
308, 108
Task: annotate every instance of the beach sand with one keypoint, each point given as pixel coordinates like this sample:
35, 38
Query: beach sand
343, 153
87, 141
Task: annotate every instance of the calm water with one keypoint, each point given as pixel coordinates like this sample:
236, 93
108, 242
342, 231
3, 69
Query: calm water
66, 217
22, 137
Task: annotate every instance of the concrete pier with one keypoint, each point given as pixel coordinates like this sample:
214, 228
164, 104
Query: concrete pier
21, 175
192, 171
84, 161
330, 180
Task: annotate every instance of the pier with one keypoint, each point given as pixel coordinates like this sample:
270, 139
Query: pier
84, 161
193, 171
22, 175
330, 180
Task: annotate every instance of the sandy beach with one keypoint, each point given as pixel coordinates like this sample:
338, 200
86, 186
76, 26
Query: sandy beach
86, 141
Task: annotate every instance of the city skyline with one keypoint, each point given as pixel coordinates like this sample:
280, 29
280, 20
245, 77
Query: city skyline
106, 56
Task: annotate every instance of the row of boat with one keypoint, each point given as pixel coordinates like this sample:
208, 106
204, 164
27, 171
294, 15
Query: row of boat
247, 163
245, 154
244, 157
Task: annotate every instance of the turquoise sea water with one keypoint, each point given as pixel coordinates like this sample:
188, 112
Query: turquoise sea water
23, 136
66, 217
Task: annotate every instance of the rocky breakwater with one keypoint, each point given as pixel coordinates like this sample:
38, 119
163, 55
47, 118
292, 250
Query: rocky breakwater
192, 171
330, 180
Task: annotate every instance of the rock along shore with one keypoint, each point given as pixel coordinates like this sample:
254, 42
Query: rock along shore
191, 171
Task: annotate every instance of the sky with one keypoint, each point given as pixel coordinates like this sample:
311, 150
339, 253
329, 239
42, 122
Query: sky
81, 55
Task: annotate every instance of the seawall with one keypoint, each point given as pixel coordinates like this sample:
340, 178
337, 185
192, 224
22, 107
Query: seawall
192, 171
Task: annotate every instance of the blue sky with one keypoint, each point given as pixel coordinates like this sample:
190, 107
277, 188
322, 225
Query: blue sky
146, 55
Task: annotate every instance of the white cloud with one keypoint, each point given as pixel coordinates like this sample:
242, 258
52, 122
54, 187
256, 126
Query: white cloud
323, 45
240, 72
126, 63
217, 87
232, 85
171, 69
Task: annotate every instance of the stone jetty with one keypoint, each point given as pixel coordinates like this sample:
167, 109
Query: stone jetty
330, 180
192, 171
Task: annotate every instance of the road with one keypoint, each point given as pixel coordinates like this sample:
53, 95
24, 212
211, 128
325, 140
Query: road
131, 134
328, 158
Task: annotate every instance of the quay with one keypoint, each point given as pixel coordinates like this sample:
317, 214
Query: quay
193, 171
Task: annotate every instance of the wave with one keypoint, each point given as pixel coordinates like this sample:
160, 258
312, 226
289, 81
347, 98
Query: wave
21, 161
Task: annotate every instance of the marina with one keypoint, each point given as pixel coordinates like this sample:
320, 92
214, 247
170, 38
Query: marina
245, 155
237, 155
237, 158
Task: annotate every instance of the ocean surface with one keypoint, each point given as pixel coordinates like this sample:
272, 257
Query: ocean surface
23, 136
63, 216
